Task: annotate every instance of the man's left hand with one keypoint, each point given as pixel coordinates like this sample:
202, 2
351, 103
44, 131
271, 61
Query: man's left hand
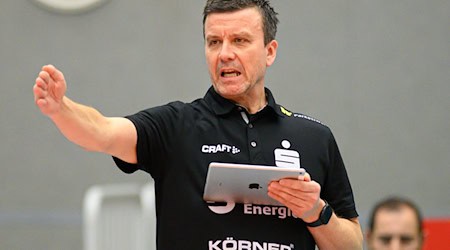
301, 195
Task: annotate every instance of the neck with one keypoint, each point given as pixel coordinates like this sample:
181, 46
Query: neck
256, 108
253, 100
253, 105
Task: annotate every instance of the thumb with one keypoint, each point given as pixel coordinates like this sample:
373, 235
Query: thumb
305, 177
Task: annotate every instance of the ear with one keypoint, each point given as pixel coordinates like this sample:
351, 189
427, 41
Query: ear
424, 236
368, 235
271, 50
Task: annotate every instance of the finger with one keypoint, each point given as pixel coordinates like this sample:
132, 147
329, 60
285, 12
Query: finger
289, 198
44, 76
48, 68
287, 189
38, 91
40, 83
294, 203
41, 103
40, 87
53, 72
289, 183
307, 177
281, 197
299, 205
296, 187
277, 197
40, 98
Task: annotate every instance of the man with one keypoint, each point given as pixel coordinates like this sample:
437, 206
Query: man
395, 224
173, 143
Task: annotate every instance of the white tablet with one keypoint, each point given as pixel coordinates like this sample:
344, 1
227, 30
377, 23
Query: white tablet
242, 183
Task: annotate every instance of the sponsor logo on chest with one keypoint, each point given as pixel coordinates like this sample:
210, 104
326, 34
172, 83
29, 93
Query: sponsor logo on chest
220, 148
233, 244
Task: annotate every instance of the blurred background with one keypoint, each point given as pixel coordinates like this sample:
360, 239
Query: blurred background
376, 72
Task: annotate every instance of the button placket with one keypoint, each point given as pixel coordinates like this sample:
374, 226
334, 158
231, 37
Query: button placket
255, 149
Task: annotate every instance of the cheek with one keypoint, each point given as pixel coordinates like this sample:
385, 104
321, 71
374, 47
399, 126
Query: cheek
210, 62
208, 56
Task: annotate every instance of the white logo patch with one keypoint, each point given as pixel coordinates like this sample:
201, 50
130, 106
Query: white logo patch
285, 158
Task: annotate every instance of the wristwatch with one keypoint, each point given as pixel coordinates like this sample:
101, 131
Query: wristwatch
324, 216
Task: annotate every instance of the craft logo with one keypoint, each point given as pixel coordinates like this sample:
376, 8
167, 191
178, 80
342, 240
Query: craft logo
220, 148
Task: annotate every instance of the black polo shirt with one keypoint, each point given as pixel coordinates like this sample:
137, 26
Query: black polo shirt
177, 141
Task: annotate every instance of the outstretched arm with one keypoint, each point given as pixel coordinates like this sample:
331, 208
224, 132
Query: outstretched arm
83, 125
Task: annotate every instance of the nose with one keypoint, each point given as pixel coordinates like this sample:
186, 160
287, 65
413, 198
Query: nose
226, 52
395, 244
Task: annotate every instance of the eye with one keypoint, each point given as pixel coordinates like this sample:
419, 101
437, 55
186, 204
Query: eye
406, 239
385, 240
213, 42
239, 40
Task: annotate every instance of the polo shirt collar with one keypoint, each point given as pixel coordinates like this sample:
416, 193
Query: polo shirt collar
222, 106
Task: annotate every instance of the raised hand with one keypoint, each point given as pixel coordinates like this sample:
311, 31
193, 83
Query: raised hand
49, 90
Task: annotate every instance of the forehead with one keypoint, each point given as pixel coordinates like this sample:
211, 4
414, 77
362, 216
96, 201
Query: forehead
401, 221
248, 19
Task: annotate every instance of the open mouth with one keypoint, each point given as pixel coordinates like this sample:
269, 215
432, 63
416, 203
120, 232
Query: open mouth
230, 73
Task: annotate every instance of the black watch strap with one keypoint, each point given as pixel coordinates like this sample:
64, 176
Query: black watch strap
324, 216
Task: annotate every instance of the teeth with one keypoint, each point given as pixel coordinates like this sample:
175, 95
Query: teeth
230, 74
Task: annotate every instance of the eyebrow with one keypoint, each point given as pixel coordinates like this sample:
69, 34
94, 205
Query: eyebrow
237, 34
386, 237
406, 237
389, 237
243, 33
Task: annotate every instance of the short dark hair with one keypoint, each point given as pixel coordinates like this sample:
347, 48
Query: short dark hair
394, 203
268, 14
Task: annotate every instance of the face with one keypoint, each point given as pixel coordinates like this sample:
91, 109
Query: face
236, 55
395, 230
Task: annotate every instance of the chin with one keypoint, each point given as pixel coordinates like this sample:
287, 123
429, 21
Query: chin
229, 91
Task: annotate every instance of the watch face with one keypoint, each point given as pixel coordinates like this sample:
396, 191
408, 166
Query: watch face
70, 6
326, 215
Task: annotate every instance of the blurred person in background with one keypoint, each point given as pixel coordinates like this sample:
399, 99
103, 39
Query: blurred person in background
395, 224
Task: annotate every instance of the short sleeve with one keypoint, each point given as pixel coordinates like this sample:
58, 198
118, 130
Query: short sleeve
337, 189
